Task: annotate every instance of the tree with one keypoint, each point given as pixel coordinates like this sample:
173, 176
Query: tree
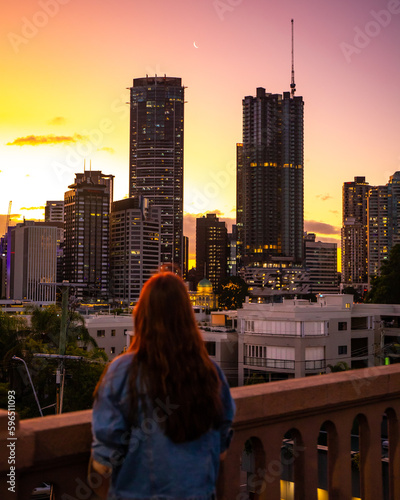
341, 366
232, 292
12, 330
82, 375
46, 322
385, 288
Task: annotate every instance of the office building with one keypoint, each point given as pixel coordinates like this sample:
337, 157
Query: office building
371, 227
232, 251
86, 242
271, 199
156, 155
54, 211
239, 204
211, 249
32, 262
321, 265
378, 242
185, 257
354, 233
134, 247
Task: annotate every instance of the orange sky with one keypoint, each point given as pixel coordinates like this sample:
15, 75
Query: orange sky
66, 66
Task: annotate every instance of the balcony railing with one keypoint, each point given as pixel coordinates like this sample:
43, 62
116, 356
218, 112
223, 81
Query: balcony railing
286, 364
55, 449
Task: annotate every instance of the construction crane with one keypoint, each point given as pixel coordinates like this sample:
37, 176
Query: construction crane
8, 216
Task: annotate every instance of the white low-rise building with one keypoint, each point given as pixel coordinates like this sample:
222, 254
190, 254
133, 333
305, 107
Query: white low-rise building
111, 332
297, 338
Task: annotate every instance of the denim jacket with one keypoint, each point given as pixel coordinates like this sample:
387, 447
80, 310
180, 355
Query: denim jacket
145, 463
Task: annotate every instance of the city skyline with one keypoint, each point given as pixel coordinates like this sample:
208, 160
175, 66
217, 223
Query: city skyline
68, 66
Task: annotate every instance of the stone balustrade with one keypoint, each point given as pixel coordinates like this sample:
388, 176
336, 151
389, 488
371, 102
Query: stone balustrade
55, 449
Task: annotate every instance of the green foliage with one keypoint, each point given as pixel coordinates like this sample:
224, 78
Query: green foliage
232, 292
43, 337
341, 366
255, 378
385, 288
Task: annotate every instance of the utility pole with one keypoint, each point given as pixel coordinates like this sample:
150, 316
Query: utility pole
62, 342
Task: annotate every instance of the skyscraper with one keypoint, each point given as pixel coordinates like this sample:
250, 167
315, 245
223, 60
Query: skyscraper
86, 242
33, 261
134, 247
321, 264
211, 249
371, 227
271, 206
156, 155
354, 233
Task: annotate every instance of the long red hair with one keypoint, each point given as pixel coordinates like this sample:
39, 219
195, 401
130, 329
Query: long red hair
171, 360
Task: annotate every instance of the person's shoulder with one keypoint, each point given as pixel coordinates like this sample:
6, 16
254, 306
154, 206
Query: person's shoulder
119, 364
221, 374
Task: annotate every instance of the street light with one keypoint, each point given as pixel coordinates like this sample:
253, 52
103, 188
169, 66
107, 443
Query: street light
30, 380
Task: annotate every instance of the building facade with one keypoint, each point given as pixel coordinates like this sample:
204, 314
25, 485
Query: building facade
86, 236
33, 262
54, 211
134, 247
321, 265
271, 205
298, 338
156, 155
354, 233
371, 227
211, 249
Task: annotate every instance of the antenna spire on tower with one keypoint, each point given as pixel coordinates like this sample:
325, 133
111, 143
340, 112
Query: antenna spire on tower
292, 84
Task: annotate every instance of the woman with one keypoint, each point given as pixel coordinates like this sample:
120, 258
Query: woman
163, 411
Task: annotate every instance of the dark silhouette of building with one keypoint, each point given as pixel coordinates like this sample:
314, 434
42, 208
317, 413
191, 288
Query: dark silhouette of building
270, 200
86, 241
211, 249
156, 155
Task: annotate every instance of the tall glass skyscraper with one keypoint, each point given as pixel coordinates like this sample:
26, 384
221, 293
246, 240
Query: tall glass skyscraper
271, 178
156, 155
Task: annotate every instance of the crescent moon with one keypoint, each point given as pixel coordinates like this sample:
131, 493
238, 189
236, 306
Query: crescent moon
194, 43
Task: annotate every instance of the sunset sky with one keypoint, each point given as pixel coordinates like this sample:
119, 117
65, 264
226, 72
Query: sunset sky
67, 64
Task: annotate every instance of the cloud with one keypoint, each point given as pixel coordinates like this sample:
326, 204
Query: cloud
324, 197
32, 208
58, 120
313, 226
108, 150
47, 140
